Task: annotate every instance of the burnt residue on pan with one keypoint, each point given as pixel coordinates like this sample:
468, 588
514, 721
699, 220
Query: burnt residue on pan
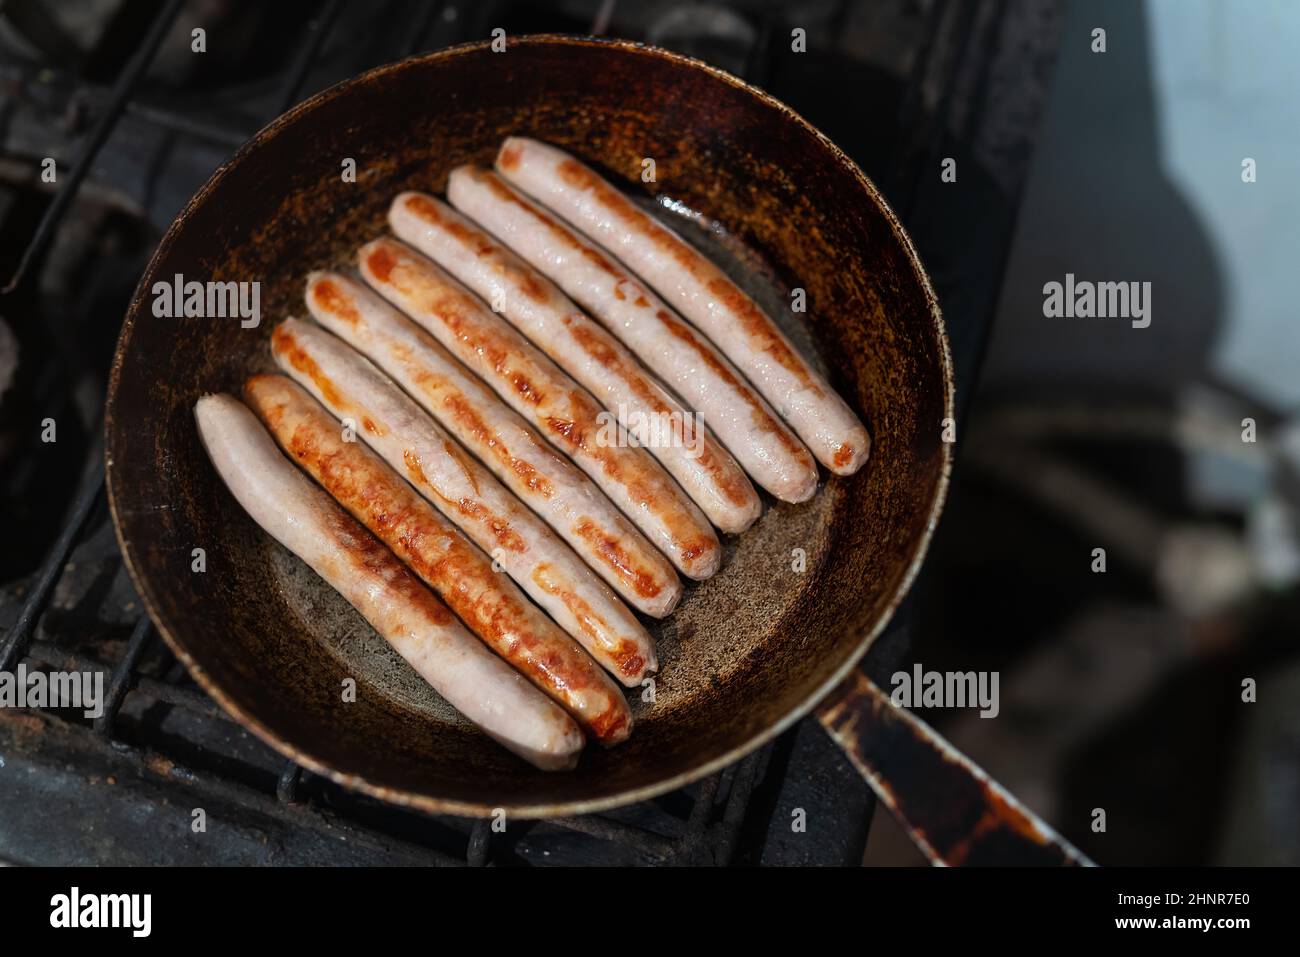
749, 650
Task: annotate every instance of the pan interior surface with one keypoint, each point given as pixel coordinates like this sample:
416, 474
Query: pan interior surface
799, 595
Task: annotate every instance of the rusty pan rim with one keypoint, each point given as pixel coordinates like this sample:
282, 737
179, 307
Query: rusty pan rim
439, 805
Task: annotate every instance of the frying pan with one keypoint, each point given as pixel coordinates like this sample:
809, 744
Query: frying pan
748, 652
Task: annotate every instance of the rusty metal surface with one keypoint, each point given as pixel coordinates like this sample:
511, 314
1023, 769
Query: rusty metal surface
130, 806
947, 804
749, 651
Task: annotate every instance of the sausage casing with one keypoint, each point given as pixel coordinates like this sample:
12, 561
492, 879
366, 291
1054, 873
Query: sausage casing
466, 493
699, 291
560, 409
306, 521
516, 454
487, 601
587, 351
769, 452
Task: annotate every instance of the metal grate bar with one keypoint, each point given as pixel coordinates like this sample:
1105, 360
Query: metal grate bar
742, 786
698, 822
287, 785
20, 636
286, 788
212, 786
161, 691
480, 837
123, 673
95, 140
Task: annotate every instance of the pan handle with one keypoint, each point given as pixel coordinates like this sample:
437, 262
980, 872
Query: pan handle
949, 806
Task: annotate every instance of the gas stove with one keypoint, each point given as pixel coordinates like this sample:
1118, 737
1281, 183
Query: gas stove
111, 120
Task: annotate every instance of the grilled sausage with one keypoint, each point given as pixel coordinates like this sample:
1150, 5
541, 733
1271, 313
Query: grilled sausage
558, 407
304, 520
486, 601
585, 350
413, 444
684, 359
516, 454
698, 290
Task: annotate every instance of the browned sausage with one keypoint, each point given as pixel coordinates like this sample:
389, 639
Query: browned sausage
769, 452
485, 600
410, 442
587, 351
522, 460
306, 521
559, 408
697, 289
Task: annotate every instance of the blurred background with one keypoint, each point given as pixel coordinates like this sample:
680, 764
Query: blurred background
1123, 690
1120, 690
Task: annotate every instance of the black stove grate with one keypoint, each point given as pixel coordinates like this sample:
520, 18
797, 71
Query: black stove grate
308, 818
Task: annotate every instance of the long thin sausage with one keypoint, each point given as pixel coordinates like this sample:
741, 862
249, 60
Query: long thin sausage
412, 443
697, 289
537, 389
667, 344
304, 520
585, 350
517, 455
486, 601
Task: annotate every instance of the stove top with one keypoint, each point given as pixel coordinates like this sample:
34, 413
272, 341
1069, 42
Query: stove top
134, 122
